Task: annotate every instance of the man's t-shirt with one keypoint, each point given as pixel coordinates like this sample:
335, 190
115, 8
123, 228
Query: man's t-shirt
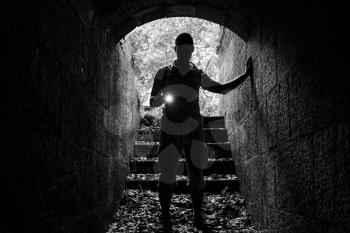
184, 89
181, 121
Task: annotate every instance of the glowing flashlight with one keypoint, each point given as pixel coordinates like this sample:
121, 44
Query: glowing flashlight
169, 98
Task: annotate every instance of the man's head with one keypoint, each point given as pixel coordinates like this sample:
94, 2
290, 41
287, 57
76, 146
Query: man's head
184, 46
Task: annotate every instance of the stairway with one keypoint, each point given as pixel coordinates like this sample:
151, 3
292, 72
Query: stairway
144, 170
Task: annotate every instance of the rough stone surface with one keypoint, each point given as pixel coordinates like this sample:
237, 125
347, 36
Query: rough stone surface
287, 124
69, 113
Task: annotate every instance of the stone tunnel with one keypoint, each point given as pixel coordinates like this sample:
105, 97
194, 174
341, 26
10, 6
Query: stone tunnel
70, 109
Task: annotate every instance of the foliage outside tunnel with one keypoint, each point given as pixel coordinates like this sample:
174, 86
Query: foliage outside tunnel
153, 48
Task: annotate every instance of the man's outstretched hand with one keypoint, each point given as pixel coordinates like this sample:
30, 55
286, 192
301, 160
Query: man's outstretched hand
249, 67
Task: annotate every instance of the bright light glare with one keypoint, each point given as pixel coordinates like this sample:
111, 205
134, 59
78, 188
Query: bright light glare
169, 98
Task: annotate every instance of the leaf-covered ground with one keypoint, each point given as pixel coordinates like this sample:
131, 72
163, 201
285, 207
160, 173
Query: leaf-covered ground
139, 212
180, 177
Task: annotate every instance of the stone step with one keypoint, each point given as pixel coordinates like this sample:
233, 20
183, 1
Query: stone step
213, 122
151, 166
210, 134
209, 122
215, 150
215, 183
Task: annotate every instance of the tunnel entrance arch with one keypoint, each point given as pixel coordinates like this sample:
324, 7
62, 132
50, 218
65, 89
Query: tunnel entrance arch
121, 19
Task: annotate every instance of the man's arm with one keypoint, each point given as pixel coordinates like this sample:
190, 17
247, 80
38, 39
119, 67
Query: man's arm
157, 99
213, 86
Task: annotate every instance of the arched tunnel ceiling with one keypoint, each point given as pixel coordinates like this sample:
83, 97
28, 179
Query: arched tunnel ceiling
121, 17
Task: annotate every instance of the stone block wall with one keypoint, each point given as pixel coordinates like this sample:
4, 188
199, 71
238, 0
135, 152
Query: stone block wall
69, 112
289, 124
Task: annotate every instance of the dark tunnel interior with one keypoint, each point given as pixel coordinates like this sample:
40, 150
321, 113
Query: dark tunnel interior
70, 112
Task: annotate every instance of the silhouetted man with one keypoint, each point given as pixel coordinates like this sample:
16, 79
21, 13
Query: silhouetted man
177, 86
